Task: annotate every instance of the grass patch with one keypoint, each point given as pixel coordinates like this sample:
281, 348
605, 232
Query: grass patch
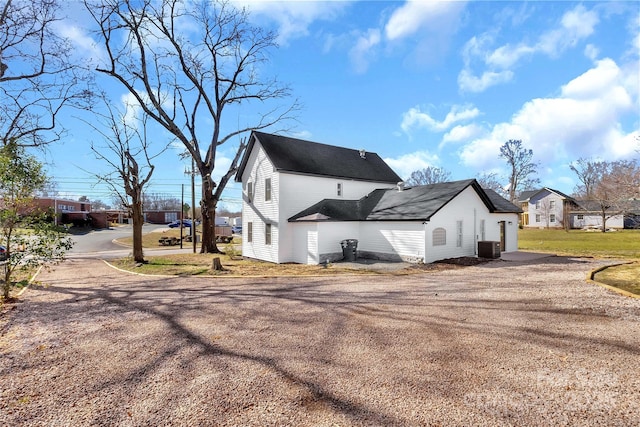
625, 277
200, 264
618, 244
150, 240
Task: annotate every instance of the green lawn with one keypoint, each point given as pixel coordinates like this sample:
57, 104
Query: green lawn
623, 244
616, 244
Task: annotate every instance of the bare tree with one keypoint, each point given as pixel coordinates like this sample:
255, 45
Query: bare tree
618, 185
491, 181
521, 167
187, 63
589, 173
428, 175
158, 201
37, 76
611, 186
126, 150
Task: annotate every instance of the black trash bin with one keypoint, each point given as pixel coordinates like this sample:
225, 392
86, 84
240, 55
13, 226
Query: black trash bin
349, 247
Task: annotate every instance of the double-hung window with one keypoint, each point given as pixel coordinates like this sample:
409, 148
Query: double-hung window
267, 189
267, 234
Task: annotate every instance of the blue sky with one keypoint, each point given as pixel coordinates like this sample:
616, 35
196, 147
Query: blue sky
426, 83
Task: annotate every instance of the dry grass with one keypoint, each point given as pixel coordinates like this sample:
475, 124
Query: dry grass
625, 277
201, 264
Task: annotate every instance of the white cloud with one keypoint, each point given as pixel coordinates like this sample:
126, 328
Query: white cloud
417, 14
411, 162
591, 52
85, 46
428, 25
363, 51
584, 121
575, 25
462, 133
467, 82
293, 18
415, 118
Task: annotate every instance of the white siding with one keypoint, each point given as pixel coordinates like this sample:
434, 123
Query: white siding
332, 233
468, 208
595, 220
511, 230
259, 211
305, 243
298, 192
403, 238
545, 205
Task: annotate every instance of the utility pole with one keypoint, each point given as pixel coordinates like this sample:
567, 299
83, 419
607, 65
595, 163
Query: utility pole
192, 172
182, 217
193, 204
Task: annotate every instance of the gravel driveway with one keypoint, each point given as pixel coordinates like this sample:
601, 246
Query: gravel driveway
502, 343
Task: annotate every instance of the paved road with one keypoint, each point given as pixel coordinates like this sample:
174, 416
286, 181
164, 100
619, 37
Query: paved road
99, 243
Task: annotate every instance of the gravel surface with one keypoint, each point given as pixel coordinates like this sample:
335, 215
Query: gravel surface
500, 343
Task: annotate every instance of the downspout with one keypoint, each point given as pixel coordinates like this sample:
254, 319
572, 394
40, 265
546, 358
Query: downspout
475, 232
424, 255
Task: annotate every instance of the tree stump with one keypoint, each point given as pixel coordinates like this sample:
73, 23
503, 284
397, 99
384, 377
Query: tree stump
217, 265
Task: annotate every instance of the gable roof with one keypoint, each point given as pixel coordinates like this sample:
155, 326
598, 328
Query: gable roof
501, 204
628, 207
418, 203
525, 196
311, 158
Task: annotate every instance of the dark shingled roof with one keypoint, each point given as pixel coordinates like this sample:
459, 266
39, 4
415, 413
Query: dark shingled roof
527, 195
501, 204
415, 203
312, 158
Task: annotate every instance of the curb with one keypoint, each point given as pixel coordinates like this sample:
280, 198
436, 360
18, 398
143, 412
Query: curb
590, 279
31, 280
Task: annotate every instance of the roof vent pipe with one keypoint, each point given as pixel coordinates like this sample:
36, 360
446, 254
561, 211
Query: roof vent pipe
401, 186
363, 154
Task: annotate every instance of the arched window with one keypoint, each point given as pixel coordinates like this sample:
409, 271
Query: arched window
439, 237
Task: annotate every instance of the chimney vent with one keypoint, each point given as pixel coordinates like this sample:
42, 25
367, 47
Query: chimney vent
401, 186
363, 154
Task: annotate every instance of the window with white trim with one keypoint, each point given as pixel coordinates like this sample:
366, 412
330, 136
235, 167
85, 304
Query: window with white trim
267, 189
339, 189
552, 218
250, 232
459, 234
267, 234
250, 192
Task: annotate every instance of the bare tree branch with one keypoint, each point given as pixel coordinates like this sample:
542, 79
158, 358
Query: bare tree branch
188, 63
38, 78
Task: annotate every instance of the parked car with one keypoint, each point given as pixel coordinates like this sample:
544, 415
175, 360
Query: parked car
185, 223
3, 253
236, 229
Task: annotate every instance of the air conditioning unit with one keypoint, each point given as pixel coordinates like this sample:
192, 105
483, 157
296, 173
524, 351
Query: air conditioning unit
489, 249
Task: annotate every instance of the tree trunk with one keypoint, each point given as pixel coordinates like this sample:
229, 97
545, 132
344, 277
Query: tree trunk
208, 208
138, 221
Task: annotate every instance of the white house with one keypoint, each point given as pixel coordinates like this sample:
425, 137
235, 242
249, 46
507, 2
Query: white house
546, 208
301, 199
549, 208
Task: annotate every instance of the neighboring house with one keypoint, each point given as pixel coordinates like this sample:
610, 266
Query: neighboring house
301, 199
588, 214
546, 208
